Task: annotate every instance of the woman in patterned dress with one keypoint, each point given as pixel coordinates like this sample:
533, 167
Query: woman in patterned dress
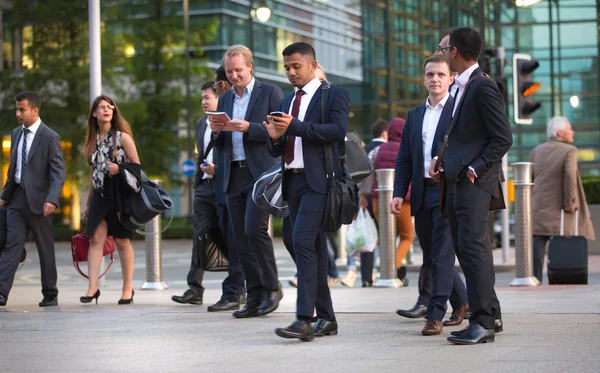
108, 143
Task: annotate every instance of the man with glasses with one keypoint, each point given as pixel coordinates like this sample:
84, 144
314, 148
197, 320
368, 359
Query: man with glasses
478, 137
210, 210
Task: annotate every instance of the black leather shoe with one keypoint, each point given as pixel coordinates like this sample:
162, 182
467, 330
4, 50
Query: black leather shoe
474, 334
2, 300
497, 329
367, 284
189, 297
298, 329
271, 303
324, 327
224, 305
249, 310
49, 302
418, 311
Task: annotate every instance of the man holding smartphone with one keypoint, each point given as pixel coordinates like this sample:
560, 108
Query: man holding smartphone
300, 137
208, 213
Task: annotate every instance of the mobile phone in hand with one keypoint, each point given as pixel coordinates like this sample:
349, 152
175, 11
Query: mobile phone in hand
276, 114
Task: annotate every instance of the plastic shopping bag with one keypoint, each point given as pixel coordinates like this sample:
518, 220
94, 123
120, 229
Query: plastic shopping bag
362, 233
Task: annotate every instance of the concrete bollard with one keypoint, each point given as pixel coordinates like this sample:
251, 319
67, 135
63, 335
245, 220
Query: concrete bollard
523, 175
153, 254
387, 230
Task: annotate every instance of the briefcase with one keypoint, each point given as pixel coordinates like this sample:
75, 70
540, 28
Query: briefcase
568, 256
212, 250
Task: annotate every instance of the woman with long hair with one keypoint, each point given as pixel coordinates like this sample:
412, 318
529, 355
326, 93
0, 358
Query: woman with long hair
108, 144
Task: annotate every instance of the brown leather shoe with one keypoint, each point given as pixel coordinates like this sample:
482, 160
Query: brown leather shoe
432, 327
458, 315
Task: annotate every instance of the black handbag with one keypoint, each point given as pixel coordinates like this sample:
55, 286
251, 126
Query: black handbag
357, 160
212, 250
342, 195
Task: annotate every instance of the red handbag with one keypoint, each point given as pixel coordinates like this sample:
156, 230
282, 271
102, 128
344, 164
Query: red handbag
80, 245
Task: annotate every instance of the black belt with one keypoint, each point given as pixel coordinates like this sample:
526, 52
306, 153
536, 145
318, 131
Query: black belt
295, 171
429, 181
239, 164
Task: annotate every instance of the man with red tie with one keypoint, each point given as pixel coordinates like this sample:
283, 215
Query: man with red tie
300, 137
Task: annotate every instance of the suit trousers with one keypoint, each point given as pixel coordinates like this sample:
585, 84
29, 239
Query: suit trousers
439, 281
468, 214
206, 214
250, 227
539, 252
21, 220
306, 212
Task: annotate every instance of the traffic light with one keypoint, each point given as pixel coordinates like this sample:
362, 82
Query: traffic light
524, 87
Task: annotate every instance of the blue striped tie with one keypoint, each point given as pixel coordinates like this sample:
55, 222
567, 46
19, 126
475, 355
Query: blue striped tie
24, 155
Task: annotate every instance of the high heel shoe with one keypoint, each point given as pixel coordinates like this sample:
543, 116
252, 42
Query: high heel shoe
86, 299
127, 301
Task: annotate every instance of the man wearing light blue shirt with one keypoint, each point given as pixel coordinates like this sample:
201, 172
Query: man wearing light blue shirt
243, 140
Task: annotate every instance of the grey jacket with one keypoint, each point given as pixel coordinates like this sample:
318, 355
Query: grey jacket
45, 172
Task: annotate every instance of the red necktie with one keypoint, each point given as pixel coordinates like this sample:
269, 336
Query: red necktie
288, 154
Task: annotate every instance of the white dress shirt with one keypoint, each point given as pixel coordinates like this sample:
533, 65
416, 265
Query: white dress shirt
240, 107
309, 91
33, 128
431, 120
460, 82
209, 156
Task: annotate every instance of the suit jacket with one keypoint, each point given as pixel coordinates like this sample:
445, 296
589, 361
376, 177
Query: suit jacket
410, 161
372, 145
264, 99
218, 161
316, 134
480, 135
557, 183
45, 172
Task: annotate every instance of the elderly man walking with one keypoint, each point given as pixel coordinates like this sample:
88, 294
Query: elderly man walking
557, 185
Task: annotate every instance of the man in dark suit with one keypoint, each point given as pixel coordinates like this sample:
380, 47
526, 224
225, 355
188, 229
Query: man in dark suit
36, 176
423, 136
243, 139
206, 214
478, 137
300, 135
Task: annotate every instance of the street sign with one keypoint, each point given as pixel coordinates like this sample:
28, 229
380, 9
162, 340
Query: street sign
188, 167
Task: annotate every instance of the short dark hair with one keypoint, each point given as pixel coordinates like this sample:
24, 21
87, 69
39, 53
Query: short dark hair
467, 41
221, 75
379, 127
434, 59
208, 85
33, 99
304, 49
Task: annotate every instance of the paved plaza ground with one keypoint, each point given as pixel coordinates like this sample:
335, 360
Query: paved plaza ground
547, 329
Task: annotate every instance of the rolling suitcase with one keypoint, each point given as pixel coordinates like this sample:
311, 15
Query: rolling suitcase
568, 256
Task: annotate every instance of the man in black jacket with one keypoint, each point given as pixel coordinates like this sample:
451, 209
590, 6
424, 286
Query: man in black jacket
477, 139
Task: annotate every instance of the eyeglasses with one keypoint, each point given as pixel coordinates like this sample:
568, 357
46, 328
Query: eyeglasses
217, 84
106, 107
443, 50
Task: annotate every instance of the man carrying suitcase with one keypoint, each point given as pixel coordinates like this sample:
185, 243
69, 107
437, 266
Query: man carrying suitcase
557, 186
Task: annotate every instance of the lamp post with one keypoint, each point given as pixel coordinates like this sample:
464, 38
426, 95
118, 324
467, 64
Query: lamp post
188, 102
262, 13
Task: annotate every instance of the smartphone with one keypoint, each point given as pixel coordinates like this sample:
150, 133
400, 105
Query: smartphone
276, 114
205, 164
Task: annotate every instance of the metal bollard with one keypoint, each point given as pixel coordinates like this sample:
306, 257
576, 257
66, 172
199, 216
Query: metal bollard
153, 254
387, 230
522, 172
